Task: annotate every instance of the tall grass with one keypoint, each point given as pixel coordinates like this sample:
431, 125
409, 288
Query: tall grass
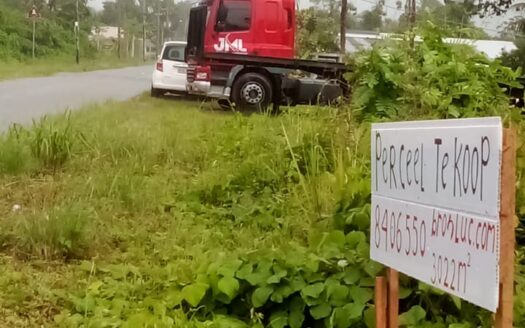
15, 156
51, 142
46, 145
61, 233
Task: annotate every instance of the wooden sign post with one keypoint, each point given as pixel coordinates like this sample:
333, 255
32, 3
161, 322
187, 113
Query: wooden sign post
381, 302
387, 300
504, 315
441, 193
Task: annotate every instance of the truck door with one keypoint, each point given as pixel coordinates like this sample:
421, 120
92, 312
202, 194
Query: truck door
232, 28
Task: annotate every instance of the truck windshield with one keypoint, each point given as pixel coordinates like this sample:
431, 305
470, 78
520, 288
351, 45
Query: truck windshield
234, 15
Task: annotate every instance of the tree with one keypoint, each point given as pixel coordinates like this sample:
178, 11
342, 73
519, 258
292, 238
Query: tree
391, 26
455, 17
66, 13
109, 15
333, 7
54, 29
160, 20
316, 32
516, 58
516, 26
372, 20
339, 9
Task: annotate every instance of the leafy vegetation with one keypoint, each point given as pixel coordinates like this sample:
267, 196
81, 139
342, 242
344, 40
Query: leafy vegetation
432, 80
129, 16
316, 32
318, 27
53, 36
162, 213
54, 39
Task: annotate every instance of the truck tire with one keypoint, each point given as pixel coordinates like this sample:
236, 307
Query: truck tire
252, 92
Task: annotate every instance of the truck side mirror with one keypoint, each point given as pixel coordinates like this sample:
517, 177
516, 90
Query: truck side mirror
220, 27
222, 15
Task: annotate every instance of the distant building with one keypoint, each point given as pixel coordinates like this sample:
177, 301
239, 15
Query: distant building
361, 40
106, 38
104, 32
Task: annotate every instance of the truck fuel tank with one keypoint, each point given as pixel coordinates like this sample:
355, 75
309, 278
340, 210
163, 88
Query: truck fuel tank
314, 91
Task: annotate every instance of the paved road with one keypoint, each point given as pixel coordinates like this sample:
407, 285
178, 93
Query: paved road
24, 99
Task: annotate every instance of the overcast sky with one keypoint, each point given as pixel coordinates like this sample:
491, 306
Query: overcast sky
491, 25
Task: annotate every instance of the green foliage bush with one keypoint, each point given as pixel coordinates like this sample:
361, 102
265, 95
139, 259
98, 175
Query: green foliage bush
516, 58
296, 287
54, 33
292, 288
407, 80
429, 80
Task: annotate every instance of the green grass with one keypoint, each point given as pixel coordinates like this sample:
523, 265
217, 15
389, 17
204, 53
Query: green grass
153, 187
49, 66
108, 213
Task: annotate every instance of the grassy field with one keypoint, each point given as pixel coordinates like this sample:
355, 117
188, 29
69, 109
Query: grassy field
132, 198
50, 66
163, 213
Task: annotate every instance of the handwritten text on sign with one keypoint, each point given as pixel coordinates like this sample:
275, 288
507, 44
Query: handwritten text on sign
435, 203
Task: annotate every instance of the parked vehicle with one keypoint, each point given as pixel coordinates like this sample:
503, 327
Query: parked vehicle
169, 74
242, 52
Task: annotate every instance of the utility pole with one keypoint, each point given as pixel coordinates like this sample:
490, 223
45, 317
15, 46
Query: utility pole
33, 15
158, 45
34, 32
162, 32
342, 31
118, 28
410, 7
412, 13
77, 32
144, 30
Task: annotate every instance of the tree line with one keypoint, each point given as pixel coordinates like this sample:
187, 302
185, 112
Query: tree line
55, 27
159, 20
318, 27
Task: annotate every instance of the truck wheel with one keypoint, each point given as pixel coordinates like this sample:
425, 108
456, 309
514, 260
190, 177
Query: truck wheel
252, 92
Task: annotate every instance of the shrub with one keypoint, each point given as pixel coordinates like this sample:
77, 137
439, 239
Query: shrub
431, 79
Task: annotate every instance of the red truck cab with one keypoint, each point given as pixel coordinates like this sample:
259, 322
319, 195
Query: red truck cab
241, 51
260, 28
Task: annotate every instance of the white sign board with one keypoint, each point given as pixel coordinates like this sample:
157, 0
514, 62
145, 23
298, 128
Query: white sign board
435, 203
